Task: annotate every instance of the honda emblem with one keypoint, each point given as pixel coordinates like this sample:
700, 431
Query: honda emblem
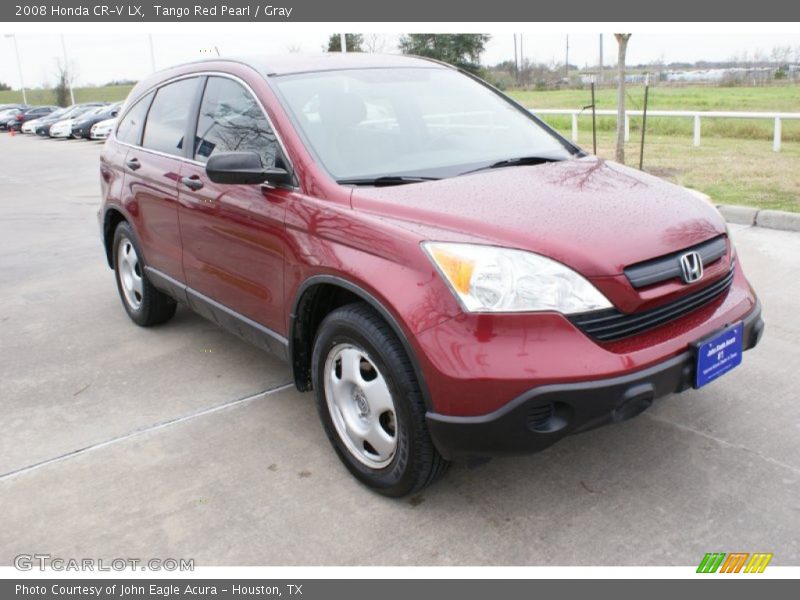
691, 267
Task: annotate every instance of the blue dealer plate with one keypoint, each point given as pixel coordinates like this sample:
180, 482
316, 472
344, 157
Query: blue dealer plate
718, 354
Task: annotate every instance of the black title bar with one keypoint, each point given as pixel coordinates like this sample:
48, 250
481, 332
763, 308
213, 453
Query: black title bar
364, 11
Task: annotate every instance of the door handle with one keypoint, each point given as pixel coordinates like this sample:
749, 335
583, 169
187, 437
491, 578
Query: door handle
193, 182
133, 163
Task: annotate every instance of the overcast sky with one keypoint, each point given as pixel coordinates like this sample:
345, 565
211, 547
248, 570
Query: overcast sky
99, 58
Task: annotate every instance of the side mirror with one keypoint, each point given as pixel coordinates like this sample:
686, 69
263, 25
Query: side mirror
244, 168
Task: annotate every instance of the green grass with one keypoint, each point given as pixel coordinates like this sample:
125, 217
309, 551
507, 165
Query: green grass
734, 164
785, 98
731, 171
111, 93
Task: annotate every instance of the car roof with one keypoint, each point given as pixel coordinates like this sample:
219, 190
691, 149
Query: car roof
288, 64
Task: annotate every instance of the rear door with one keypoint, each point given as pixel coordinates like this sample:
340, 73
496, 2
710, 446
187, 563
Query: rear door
153, 174
233, 235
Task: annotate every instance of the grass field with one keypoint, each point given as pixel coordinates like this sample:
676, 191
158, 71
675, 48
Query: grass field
785, 98
111, 93
745, 99
744, 172
735, 163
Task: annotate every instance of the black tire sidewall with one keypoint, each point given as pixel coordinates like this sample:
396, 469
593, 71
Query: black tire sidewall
138, 315
399, 477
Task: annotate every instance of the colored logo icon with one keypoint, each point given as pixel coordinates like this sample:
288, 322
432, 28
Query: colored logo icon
734, 562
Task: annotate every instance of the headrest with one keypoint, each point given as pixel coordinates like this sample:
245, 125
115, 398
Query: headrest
341, 109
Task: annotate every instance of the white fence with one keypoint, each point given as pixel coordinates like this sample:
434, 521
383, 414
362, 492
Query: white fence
777, 118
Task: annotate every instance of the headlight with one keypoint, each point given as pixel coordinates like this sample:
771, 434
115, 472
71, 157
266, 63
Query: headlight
492, 279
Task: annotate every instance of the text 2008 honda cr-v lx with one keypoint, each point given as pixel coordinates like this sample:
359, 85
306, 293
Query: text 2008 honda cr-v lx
450, 276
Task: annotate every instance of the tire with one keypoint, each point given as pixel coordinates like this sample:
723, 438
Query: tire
145, 305
370, 403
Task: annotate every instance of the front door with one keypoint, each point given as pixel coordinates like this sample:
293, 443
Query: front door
233, 235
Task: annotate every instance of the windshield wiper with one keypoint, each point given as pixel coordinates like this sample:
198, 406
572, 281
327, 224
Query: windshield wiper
386, 180
513, 162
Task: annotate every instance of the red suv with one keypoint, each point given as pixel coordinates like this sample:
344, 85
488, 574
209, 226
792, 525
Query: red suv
449, 275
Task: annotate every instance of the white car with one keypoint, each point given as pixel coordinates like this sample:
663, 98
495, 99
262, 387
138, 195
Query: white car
102, 129
30, 126
62, 129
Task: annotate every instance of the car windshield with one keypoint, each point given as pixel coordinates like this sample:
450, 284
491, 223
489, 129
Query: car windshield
410, 122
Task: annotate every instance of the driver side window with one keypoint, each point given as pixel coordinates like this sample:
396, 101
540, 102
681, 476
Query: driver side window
232, 121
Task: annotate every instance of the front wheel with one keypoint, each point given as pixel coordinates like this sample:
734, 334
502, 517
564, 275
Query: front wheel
370, 403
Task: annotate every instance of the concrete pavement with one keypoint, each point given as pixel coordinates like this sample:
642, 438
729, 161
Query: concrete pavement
173, 442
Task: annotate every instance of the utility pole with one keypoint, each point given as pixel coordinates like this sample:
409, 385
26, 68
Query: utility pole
566, 61
67, 70
19, 67
600, 62
521, 59
343, 42
516, 61
152, 52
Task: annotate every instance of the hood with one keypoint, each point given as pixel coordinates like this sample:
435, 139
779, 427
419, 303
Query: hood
593, 215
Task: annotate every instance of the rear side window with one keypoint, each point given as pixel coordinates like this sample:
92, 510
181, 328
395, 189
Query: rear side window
166, 121
131, 126
232, 121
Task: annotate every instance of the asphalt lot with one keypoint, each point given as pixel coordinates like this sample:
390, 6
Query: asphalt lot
182, 441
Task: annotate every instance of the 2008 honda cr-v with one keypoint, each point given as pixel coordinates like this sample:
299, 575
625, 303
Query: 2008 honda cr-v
449, 275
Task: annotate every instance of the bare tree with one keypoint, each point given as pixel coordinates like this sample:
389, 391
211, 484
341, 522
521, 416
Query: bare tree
374, 43
781, 55
294, 48
622, 42
65, 75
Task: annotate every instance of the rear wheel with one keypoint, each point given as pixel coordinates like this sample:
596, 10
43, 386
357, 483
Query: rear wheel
370, 403
144, 304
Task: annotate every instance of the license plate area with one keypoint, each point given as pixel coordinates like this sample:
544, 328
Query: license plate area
717, 354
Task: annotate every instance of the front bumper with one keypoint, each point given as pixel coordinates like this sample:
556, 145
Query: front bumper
542, 416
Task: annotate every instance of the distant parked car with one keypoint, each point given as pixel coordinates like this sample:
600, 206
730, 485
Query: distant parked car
9, 113
103, 129
82, 126
44, 124
61, 129
30, 126
31, 114
66, 127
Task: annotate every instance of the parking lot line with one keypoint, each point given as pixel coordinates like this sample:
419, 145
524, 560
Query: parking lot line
150, 429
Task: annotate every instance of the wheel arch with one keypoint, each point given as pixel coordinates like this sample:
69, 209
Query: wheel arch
112, 217
316, 297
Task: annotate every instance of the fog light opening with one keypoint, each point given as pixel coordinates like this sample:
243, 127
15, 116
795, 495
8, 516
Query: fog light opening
546, 418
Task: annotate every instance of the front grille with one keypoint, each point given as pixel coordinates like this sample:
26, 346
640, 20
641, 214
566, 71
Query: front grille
611, 324
668, 267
